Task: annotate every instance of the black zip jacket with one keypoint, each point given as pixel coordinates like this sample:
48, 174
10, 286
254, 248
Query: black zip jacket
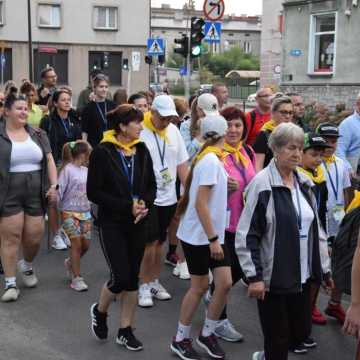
108, 185
58, 136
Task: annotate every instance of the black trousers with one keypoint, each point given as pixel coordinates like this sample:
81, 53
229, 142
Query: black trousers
123, 247
284, 320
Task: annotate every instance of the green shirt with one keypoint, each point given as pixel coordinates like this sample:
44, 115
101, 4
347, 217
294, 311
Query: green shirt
35, 116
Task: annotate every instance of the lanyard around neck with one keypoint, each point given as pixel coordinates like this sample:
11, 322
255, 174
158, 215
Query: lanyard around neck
102, 114
161, 153
240, 169
66, 125
128, 169
298, 207
334, 187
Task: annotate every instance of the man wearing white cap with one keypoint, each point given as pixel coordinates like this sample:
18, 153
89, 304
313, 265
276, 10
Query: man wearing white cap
170, 158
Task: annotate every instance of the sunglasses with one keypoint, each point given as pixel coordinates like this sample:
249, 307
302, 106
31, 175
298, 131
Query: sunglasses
284, 112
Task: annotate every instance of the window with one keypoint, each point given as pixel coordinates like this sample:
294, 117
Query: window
109, 62
1, 12
105, 18
58, 60
247, 47
322, 44
49, 15
6, 74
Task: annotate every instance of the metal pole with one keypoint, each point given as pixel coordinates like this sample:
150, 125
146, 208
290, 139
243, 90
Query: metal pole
188, 77
2, 65
31, 77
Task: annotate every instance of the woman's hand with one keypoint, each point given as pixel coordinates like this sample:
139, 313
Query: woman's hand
52, 195
139, 210
257, 290
352, 321
233, 185
216, 250
328, 285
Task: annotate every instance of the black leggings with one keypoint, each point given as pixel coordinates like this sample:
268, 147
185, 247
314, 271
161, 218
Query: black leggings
236, 271
123, 247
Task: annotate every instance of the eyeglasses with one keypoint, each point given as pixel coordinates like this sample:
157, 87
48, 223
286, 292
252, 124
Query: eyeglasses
264, 96
285, 113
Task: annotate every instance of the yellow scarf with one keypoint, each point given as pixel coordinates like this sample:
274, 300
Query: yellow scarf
109, 137
317, 177
210, 149
149, 124
329, 160
355, 202
239, 157
270, 126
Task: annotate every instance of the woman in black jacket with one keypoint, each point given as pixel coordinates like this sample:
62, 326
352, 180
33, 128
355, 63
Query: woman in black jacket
61, 125
93, 118
122, 183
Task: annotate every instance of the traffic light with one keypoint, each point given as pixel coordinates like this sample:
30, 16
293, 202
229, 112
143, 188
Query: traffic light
125, 64
196, 36
148, 59
183, 49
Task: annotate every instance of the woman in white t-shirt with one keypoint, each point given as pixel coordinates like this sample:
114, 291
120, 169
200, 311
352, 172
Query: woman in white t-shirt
201, 231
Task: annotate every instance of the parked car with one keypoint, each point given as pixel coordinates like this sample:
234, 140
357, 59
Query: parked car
204, 88
251, 98
156, 88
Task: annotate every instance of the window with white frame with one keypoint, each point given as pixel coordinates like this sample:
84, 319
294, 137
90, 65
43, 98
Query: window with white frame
247, 47
105, 18
1, 13
322, 51
49, 15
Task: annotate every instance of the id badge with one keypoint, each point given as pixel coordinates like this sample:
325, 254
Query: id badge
166, 177
338, 213
228, 215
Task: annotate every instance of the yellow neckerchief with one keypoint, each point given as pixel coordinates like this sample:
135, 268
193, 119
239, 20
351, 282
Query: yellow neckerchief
109, 137
239, 157
210, 149
329, 160
355, 203
318, 176
270, 126
149, 124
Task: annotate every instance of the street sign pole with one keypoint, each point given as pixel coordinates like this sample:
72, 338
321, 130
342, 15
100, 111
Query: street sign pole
2, 65
188, 77
30, 49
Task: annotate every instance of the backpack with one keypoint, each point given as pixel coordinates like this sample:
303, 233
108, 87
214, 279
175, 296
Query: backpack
253, 119
343, 250
249, 152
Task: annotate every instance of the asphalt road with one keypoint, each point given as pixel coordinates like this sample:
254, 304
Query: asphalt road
51, 322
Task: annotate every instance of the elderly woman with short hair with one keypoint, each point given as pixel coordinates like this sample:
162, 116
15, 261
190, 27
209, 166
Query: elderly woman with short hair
281, 247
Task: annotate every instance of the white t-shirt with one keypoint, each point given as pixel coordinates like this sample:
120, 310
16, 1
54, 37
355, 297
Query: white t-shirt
26, 156
340, 177
165, 172
306, 215
209, 171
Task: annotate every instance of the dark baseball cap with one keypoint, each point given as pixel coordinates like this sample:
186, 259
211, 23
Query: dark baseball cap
328, 130
313, 140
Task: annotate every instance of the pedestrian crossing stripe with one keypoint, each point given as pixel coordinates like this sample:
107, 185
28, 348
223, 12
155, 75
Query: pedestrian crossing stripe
156, 48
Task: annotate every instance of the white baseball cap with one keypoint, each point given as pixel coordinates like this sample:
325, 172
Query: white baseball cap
208, 104
213, 124
164, 105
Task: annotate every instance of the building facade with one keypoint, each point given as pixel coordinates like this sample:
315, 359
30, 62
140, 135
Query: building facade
76, 36
242, 31
271, 47
321, 51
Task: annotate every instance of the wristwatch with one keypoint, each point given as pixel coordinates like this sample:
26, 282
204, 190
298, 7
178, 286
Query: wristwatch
54, 186
216, 237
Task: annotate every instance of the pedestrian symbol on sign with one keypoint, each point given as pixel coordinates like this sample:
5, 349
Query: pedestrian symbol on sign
212, 32
155, 47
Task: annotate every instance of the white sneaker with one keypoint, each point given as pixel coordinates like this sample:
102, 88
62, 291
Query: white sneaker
145, 296
11, 294
226, 331
28, 276
58, 242
184, 271
176, 271
78, 284
158, 291
67, 264
259, 355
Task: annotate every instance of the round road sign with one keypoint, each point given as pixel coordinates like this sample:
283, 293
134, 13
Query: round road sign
214, 9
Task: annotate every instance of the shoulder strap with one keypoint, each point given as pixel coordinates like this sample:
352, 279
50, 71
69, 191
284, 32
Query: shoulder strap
252, 118
249, 152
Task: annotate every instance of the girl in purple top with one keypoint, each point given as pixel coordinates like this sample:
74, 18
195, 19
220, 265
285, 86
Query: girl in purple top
240, 167
75, 207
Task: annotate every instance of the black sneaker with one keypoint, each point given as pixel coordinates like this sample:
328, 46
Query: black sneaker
210, 344
184, 349
310, 343
126, 338
98, 323
299, 349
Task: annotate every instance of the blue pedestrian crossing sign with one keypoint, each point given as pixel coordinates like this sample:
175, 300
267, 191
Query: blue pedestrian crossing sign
212, 32
155, 47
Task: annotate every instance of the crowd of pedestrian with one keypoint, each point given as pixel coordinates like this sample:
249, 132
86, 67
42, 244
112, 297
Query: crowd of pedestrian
216, 183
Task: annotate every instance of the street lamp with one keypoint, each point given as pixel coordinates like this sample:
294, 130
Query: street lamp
31, 73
